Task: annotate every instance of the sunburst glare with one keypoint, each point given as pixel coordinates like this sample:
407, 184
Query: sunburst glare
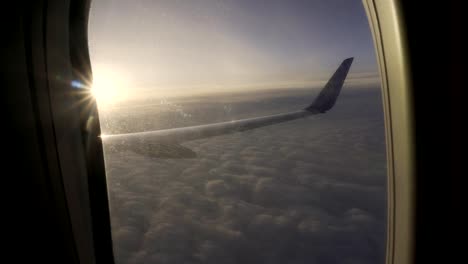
109, 87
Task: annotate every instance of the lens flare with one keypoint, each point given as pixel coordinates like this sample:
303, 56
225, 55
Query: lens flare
108, 87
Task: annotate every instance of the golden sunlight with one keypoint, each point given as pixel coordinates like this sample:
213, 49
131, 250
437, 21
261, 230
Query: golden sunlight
109, 87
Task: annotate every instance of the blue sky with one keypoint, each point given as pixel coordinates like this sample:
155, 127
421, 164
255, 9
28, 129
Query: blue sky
189, 45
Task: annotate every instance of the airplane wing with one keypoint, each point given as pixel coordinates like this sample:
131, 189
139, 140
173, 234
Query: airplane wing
164, 143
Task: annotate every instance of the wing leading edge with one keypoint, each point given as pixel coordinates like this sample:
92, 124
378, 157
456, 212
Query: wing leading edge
322, 103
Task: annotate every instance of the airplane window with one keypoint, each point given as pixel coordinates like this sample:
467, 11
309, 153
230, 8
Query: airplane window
240, 131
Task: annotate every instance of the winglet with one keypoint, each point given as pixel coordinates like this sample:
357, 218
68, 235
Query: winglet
327, 97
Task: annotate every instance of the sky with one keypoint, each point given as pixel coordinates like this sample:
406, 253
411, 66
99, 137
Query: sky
185, 46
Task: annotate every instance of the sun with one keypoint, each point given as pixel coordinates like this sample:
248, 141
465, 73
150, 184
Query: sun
109, 87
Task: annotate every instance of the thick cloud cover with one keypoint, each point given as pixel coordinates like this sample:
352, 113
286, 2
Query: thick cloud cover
307, 191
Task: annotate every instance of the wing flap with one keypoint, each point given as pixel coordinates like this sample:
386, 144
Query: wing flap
150, 149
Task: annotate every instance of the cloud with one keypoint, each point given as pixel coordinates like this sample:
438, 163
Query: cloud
307, 191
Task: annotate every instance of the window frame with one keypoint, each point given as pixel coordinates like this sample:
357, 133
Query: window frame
387, 27
61, 48
90, 212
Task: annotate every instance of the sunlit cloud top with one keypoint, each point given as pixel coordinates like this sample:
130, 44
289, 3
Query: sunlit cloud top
187, 45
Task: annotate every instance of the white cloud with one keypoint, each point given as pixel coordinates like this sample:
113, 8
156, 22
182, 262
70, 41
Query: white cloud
311, 190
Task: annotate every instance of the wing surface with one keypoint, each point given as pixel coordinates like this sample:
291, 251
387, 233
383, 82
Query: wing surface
322, 103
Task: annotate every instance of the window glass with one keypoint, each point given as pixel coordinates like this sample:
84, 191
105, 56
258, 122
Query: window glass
309, 190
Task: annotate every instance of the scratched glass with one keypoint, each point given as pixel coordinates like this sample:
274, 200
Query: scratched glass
238, 131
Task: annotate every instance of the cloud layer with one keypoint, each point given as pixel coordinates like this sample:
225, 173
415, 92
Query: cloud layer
307, 191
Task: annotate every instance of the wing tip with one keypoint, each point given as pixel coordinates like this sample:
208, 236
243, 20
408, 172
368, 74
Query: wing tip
349, 60
327, 97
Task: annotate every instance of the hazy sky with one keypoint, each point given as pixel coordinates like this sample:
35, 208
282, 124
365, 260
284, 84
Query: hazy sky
185, 45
